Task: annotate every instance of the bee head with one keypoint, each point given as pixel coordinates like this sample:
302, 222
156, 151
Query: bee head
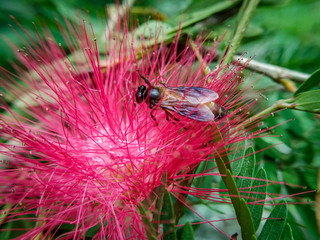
141, 94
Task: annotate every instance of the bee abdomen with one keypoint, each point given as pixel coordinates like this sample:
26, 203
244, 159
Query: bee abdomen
218, 111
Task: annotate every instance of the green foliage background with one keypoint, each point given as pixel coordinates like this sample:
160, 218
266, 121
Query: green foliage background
283, 33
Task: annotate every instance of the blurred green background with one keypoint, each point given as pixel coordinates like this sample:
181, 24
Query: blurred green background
282, 32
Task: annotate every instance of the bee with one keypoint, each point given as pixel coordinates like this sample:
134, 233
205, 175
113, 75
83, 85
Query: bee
191, 102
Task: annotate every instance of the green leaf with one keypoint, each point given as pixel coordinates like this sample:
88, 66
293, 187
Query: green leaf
273, 175
253, 31
276, 222
8, 233
308, 84
279, 149
167, 218
241, 208
5, 210
253, 237
246, 223
151, 234
308, 101
303, 221
273, 2
239, 153
246, 170
158, 193
198, 12
287, 233
256, 194
153, 28
187, 232
205, 181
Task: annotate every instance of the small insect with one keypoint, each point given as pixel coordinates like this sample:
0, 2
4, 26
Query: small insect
192, 102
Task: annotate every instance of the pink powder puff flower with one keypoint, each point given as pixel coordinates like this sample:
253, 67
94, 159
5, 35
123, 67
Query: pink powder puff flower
80, 152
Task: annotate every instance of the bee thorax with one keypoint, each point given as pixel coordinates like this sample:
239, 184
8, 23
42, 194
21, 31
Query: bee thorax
154, 97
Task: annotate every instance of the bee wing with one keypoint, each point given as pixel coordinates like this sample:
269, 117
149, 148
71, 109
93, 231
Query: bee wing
195, 95
190, 102
200, 113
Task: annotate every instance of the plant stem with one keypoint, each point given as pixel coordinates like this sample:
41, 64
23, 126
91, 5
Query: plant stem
114, 16
205, 68
242, 211
281, 104
245, 15
272, 71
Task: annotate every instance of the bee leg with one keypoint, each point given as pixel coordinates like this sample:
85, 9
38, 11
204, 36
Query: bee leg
153, 117
162, 83
174, 120
168, 116
171, 118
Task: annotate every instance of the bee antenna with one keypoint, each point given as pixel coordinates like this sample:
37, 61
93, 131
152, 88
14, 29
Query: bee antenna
145, 79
